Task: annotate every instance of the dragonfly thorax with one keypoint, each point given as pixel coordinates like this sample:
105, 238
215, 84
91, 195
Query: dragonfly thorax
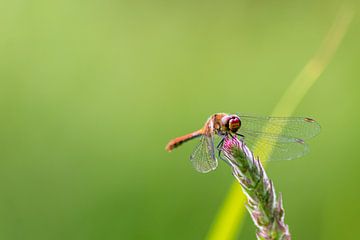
232, 123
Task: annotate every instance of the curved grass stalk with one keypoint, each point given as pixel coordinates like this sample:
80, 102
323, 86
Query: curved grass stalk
230, 215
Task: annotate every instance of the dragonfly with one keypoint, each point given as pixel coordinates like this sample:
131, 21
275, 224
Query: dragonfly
285, 136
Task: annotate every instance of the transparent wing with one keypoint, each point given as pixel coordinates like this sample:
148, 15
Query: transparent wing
278, 138
272, 149
290, 127
203, 157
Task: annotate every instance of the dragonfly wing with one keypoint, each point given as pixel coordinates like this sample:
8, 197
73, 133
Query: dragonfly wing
203, 157
278, 138
286, 127
270, 147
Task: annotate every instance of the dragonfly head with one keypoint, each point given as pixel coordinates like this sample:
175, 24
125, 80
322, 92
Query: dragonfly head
231, 122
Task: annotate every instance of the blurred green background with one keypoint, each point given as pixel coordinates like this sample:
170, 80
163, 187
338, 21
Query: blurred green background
91, 91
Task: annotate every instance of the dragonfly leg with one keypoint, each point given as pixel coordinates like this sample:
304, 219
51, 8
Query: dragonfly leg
239, 134
219, 146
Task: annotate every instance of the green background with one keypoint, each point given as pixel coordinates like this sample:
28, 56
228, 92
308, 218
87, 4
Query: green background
91, 91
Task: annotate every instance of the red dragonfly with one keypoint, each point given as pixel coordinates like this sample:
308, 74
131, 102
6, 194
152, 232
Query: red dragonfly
285, 136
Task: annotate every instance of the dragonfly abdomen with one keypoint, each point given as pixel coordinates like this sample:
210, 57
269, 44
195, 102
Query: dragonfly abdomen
180, 140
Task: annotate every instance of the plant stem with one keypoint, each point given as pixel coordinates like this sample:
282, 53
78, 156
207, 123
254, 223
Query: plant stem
265, 209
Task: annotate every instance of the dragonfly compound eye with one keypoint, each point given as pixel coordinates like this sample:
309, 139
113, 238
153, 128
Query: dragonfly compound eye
234, 124
225, 120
